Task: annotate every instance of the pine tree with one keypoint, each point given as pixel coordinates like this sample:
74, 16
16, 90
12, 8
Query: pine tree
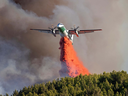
15, 93
29, 94
6, 94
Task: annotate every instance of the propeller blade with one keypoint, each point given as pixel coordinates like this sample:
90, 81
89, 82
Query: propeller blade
54, 27
49, 28
77, 27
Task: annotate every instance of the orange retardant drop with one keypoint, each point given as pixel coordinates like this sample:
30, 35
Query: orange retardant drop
71, 65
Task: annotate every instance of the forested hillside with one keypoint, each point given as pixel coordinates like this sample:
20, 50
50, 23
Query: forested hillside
106, 84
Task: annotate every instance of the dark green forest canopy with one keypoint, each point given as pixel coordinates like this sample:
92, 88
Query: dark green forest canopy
106, 84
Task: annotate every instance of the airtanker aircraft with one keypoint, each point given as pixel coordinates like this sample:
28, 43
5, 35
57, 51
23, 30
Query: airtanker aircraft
64, 32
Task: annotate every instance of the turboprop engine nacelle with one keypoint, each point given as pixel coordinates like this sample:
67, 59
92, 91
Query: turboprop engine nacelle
53, 31
76, 31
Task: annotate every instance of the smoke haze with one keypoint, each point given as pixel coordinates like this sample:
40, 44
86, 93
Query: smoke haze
29, 57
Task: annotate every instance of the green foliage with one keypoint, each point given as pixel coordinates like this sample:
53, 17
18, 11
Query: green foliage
15, 93
6, 94
106, 84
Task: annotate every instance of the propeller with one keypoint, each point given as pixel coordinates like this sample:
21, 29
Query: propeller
75, 29
52, 28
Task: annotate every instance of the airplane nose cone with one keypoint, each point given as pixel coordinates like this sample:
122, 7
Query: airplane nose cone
60, 25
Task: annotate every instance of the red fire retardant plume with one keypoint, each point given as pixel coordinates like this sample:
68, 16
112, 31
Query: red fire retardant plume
71, 65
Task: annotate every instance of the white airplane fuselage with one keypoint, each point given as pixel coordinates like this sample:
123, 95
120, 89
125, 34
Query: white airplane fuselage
64, 32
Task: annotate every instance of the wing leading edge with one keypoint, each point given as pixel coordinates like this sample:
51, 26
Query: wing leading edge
46, 31
84, 31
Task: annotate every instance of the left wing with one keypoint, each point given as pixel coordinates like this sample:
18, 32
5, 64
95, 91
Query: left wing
46, 31
83, 31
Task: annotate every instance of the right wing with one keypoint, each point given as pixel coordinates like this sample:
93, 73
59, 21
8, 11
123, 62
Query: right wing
88, 31
46, 31
84, 31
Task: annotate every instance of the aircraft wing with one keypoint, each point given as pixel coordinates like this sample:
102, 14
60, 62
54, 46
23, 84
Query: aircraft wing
83, 31
46, 31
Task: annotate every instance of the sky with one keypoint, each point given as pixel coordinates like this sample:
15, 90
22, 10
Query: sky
29, 57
